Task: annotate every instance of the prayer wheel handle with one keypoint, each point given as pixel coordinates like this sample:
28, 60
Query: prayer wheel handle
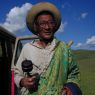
70, 43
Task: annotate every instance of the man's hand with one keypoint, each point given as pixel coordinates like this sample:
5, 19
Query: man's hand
27, 82
66, 91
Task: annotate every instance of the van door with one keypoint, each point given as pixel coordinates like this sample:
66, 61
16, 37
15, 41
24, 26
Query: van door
5, 66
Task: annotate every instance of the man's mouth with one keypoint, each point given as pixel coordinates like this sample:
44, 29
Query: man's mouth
47, 33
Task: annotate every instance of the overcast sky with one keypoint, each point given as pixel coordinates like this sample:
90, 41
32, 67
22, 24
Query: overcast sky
78, 20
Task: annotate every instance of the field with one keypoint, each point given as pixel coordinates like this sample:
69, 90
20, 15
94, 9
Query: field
86, 60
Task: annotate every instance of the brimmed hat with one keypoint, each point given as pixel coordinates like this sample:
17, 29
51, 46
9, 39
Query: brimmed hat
40, 7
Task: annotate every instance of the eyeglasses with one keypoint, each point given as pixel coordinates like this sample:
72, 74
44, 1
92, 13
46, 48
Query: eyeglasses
44, 23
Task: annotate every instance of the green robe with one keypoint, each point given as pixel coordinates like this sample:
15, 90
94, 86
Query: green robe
62, 69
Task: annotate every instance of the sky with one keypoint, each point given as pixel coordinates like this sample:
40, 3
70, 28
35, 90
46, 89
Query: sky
78, 20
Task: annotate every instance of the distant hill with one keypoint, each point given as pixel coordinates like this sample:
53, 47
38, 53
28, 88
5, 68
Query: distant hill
85, 55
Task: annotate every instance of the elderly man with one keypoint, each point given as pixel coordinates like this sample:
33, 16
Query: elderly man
52, 59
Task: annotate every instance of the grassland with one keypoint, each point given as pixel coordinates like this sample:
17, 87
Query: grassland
86, 60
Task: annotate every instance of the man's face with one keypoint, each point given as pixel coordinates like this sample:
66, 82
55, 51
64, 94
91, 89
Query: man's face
45, 26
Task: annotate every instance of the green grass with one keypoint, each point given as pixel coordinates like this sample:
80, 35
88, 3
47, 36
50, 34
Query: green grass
86, 60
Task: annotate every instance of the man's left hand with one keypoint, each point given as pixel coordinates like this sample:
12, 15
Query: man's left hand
66, 91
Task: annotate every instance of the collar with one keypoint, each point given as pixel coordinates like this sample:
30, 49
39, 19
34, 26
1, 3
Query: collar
49, 45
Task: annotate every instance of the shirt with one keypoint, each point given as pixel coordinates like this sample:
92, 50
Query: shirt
39, 56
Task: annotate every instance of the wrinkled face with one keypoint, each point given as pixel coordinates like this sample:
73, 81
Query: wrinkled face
45, 26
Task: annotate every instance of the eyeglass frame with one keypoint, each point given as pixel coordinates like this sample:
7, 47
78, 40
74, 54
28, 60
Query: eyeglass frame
43, 24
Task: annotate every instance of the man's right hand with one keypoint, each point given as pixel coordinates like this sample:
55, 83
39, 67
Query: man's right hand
27, 82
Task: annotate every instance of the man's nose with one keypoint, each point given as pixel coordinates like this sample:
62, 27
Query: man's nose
47, 26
